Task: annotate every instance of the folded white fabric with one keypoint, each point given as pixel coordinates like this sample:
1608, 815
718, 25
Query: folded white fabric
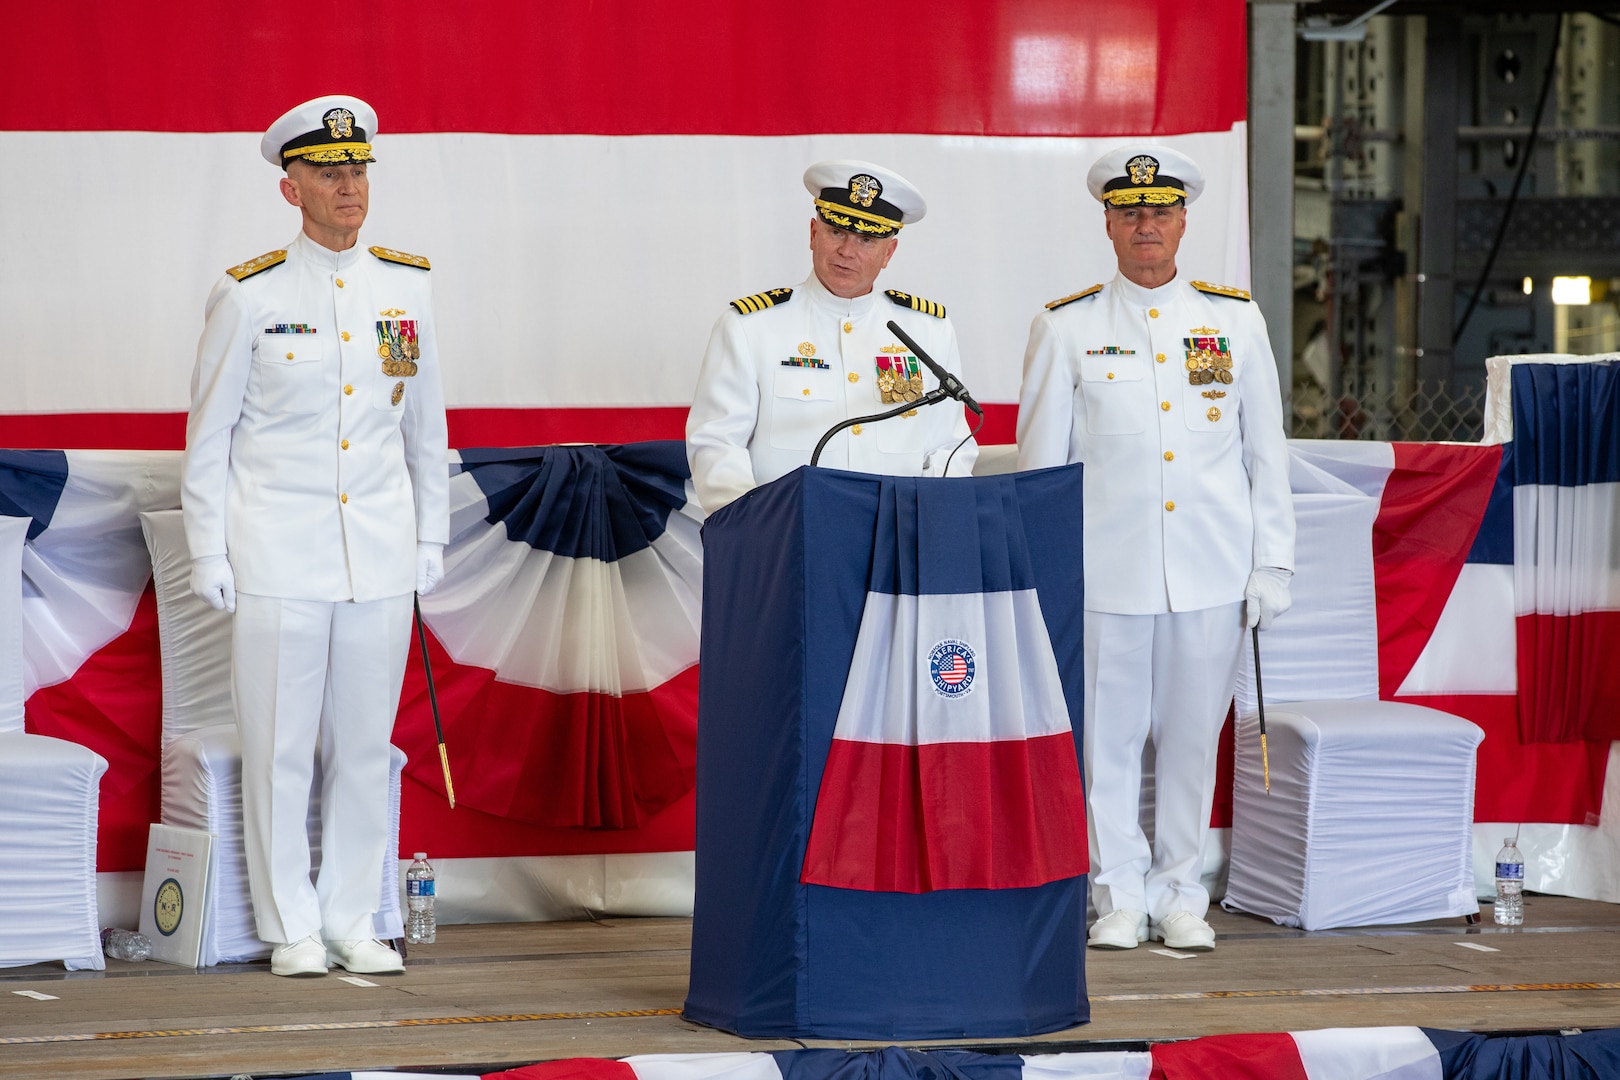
1369, 819
49, 808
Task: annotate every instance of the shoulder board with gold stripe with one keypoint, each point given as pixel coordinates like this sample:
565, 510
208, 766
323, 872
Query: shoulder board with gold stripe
1221, 290
1072, 297
404, 258
762, 300
915, 303
243, 271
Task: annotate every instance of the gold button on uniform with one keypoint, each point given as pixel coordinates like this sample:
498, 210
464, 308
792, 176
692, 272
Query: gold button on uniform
856, 429
1110, 374
1165, 405
1169, 455
1171, 505
1153, 312
345, 445
340, 283
1159, 358
848, 327
289, 356
854, 377
346, 338
350, 390
344, 497
805, 391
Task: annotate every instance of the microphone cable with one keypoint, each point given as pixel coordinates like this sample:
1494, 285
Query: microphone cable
969, 435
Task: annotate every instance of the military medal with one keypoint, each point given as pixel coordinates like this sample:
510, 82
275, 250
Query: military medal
1209, 359
398, 394
397, 347
899, 376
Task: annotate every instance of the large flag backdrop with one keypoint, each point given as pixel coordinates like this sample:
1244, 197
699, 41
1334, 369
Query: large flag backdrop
1408, 561
592, 182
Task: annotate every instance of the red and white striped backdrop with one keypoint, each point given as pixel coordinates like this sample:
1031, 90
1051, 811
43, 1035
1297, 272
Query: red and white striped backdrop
592, 182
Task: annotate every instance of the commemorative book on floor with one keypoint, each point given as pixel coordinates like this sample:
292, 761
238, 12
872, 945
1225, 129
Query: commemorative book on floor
174, 894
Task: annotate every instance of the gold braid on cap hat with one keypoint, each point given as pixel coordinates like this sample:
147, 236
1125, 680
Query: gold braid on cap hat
331, 153
1144, 196
847, 217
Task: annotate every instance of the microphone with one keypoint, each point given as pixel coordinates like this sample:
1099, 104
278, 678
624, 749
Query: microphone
948, 382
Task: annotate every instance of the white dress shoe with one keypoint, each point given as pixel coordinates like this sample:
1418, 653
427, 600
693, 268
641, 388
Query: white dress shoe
1122, 929
306, 956
1184, 930
367, 956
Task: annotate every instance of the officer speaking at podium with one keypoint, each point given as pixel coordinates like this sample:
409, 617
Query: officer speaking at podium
786, 364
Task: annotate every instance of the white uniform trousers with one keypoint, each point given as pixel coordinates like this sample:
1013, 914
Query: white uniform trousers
308, 674
1171, 676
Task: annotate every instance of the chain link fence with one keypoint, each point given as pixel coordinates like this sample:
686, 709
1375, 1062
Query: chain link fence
1416, 412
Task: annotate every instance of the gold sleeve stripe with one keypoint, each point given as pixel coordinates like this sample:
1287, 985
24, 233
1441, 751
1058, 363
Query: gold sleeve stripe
1221, 290
748, 305
243, 271
404, 258
1072, 297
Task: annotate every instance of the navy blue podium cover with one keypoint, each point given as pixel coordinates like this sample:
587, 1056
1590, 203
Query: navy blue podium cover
890, 825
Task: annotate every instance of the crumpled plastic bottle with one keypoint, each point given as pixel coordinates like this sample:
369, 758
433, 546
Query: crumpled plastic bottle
121, 944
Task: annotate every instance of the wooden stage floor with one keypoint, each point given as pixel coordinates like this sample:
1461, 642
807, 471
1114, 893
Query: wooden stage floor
487, 997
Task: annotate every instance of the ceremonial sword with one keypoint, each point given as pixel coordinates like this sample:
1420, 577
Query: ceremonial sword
1259, 697
433, 699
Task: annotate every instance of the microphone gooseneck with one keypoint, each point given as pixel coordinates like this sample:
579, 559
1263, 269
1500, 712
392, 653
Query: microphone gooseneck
947, 382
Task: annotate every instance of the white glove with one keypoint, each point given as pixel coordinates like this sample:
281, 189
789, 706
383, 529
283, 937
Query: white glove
213, 582
1266, 596
429, 567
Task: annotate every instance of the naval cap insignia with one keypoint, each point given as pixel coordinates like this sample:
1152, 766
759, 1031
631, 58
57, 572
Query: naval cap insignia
1142, 168
863, 189
339, 123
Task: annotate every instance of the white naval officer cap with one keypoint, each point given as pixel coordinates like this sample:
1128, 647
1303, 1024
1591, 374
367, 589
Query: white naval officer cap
860, 197
1145, 174
329, 130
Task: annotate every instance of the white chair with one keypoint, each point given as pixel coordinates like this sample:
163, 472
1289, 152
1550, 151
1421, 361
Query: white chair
1369, 819
202, 754
50, 802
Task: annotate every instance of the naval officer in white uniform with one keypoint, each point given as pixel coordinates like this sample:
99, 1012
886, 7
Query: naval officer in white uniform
1167, 391
315, 502
785, 365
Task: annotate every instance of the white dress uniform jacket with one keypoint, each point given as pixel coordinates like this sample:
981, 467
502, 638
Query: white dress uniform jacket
1186, 485
762, 404
313, 469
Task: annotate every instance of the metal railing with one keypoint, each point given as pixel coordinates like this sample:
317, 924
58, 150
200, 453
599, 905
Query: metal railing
1416, 412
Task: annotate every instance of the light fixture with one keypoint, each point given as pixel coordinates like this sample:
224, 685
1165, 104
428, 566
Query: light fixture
1529, 287
1572, 291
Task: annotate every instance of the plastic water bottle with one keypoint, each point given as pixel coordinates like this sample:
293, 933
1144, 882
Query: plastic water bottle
121, 944
1509, 884
421, 925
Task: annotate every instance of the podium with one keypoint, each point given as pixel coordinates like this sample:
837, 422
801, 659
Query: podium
851, 883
